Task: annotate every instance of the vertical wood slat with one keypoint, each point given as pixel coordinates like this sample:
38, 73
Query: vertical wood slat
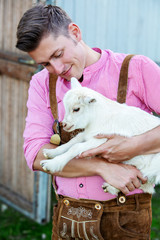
1, 21
13, 112
14, 173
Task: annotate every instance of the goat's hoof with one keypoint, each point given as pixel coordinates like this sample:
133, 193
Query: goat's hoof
49, 153
43, 166
110, 189
105, 190
50, 166
105, 187
45, 153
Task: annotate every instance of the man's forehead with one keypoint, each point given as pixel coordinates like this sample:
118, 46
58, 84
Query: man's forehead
47, 47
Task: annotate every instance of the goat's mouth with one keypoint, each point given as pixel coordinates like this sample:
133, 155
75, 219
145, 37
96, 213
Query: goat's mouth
68, 129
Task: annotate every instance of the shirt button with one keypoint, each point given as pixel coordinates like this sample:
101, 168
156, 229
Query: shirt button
80, 185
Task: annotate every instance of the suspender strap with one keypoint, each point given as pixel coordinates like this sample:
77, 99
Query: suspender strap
54, 110
52, 95
123, 79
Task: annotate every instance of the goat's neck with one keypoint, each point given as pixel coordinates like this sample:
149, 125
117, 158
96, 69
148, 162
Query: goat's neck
103, 110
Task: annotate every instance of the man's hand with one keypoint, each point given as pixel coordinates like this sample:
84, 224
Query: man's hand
124, 177
119, 148
116, 149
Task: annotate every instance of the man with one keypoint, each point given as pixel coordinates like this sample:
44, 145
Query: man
50, 37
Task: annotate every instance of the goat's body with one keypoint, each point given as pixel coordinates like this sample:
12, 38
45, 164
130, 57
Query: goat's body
107, 117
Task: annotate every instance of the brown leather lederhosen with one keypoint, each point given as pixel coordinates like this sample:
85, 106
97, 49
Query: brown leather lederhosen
122, 218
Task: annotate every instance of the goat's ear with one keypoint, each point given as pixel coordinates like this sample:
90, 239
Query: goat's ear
75, 83
88, 100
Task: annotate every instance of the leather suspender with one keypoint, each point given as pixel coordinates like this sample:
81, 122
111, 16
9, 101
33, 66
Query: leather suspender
52, 95
123, 79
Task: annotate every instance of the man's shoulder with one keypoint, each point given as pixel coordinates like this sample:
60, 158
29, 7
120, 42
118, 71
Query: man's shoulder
40, 79
119, 57
115, 57
41, 74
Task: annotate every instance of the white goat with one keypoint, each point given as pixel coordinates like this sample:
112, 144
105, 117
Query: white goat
87, 109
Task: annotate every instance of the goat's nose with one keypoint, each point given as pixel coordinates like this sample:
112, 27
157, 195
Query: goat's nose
64, 124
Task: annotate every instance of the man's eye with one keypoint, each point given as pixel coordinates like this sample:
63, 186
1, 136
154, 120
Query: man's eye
76, 109
58, 55
45, 64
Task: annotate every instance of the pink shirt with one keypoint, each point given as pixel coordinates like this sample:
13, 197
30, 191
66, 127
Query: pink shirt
143, 92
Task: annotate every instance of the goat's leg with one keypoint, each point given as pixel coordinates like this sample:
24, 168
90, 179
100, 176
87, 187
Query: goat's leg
51, 153
57, 164
108, 188
147, 188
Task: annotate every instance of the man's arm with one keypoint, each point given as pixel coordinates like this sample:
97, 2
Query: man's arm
119, 148
124, 177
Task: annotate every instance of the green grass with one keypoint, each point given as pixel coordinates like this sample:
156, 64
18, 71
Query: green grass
14, 226
155, 234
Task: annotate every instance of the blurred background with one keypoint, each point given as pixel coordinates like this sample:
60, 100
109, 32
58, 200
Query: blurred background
27, 198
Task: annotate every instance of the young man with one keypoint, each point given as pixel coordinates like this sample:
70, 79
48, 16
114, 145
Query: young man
50, 37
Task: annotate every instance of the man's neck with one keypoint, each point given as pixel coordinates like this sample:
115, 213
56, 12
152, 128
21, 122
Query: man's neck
91, 56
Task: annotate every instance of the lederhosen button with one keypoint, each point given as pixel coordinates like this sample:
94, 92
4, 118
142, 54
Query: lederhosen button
97, 206
66, 202
122, 199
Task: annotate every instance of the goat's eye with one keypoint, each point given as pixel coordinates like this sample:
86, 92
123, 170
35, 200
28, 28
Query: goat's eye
76, 109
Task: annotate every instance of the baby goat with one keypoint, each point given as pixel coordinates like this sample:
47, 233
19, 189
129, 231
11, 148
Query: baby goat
91, 111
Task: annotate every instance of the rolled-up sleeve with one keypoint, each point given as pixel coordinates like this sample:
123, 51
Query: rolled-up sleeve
39, 120
149, 84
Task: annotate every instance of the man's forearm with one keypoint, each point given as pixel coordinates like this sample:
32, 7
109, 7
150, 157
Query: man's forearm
40, 156
74, 168
148, 142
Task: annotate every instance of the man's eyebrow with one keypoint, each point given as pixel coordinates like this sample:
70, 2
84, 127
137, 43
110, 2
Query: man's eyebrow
49, 57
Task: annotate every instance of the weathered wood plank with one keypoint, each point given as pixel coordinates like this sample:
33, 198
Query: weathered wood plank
1, 21
16, 70
19, 58
15, 198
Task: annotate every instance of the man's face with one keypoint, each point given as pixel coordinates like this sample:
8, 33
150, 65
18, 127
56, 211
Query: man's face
63, 56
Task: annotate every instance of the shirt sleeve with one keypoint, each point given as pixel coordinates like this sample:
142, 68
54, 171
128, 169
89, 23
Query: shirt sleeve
39, 120
149, 83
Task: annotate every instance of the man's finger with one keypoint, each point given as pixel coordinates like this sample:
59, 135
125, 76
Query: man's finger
143, 179
92, 152
100, 135
125, 190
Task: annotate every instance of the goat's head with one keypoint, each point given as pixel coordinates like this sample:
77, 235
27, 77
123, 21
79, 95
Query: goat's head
79, 105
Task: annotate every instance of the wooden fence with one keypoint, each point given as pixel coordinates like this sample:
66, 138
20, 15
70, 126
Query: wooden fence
19, 187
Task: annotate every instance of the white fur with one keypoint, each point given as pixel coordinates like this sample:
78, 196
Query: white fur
85, 108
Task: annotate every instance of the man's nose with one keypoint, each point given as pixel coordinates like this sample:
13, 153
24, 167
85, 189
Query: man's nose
57, 66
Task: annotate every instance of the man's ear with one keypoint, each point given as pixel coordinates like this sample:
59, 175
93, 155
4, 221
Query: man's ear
75, 83
74, 31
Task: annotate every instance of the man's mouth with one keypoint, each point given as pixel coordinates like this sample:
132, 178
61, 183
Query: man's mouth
67, 73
